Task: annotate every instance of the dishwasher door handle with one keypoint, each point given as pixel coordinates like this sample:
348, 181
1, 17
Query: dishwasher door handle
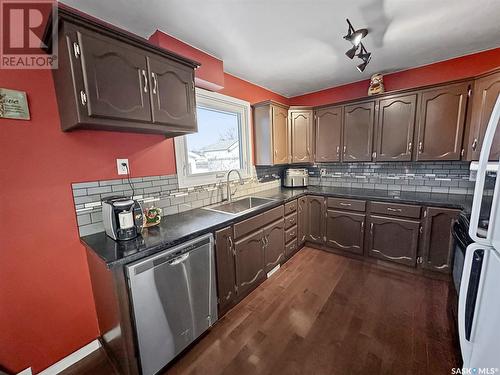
179, 259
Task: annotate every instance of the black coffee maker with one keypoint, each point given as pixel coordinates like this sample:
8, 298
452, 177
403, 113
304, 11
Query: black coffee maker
123, 217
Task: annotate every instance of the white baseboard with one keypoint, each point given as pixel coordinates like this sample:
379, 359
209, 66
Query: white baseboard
71, 359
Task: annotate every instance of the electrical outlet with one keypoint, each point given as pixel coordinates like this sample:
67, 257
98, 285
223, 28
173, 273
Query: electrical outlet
121, 168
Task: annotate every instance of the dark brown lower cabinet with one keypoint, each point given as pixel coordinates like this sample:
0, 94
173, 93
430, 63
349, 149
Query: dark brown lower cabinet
250, 261
393, 239
345, 231
274, 242
437, 241
315, 218
227, 290
302, 222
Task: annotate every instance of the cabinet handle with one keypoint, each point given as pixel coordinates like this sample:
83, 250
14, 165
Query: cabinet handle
409, 147
345, 204
394, 209
155, 83
231, 245
420, 147
371, 228
474, 144
83, 97
338, 150
144, 75
345, 149
362, 225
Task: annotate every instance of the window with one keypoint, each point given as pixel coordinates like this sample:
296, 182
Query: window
222, 142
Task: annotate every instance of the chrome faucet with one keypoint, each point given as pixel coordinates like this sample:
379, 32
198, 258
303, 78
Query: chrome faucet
229, 195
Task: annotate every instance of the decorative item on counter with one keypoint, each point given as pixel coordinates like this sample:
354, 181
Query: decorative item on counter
152, 216
376, 84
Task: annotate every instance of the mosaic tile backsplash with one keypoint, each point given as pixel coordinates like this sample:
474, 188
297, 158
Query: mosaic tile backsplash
164, 191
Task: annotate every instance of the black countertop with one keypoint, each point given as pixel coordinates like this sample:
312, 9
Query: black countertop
178, 228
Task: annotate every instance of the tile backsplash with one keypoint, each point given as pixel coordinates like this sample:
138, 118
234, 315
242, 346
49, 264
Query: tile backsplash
432, 177
160, 191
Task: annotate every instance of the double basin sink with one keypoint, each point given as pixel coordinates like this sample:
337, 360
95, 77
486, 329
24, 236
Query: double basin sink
239, 206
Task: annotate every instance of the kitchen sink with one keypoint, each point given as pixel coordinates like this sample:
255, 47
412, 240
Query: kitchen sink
239, 206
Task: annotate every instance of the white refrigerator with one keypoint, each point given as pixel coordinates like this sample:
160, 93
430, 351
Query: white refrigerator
479, 299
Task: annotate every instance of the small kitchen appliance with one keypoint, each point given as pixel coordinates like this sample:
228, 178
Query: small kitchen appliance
123, 217
296, 177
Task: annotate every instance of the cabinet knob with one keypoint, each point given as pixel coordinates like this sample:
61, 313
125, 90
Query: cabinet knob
144, 75
420, 147
409, 147
474, 144
155, 83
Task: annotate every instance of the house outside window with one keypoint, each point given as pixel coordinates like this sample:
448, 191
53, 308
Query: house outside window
222, 142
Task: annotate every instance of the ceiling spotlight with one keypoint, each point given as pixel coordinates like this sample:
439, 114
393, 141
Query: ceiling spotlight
352, 52
361, 67
354, 36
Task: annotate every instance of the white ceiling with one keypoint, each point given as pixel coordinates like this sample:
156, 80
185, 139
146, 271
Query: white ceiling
295, 46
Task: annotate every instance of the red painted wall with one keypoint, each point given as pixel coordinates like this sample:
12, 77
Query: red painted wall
461, 67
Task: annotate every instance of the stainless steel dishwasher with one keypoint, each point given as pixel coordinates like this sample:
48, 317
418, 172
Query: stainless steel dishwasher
174, 300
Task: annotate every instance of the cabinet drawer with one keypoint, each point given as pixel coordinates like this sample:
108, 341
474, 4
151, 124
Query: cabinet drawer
395, 209
291, 234
290, 220
291, 248
291, 207
258, 221
346, 204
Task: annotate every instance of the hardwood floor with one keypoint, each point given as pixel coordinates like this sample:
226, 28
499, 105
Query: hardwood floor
326, 314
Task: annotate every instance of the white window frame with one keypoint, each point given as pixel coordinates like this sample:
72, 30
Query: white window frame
224, 103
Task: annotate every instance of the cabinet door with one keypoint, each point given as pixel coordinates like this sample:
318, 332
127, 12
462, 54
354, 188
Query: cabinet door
274, 236
393, 239
301, 132
441, 123
226, 272
115, 78
485, 94
249, 262
280, 135
345, 231
358, 131
437, 244
328, 134
315, 218
394, 130
173, 95
302, 222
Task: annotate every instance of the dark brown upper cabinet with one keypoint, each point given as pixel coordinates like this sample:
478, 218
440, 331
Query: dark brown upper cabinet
393, 239
316, 208
441, 122
358, 131
226, 276
172, 93
271, 133
274, 242
345, 231
301, 136
394, 128
329, 134
111, 80
485, 93
437, 241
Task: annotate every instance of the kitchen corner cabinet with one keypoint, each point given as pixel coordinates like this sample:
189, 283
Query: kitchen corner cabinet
394, 128
271, 133
328, 129
110, 80
302, 220
315, 217
344, 231
227, 291
301, 136
393, 239
441, 122
358, 131
437, 240
485, 93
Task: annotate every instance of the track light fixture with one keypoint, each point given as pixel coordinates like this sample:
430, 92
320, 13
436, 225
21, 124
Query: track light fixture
355, 36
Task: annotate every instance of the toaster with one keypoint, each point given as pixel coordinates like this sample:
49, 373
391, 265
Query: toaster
296, 177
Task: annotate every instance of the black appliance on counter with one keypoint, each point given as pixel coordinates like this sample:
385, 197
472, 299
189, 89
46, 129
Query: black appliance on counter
123, 217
